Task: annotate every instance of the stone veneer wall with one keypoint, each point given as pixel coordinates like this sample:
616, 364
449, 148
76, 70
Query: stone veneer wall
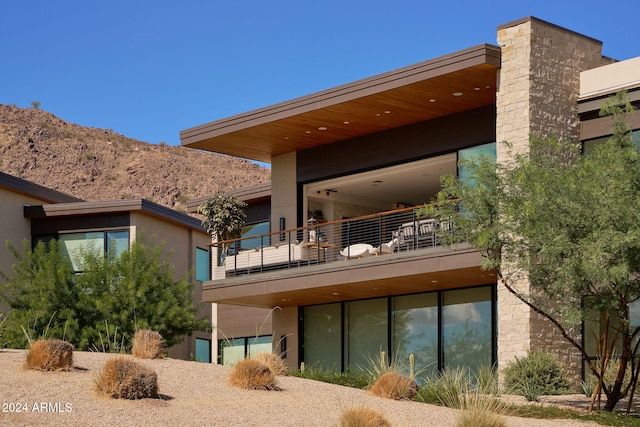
538, 86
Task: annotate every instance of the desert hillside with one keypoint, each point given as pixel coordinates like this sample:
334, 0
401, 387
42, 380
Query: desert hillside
99, 164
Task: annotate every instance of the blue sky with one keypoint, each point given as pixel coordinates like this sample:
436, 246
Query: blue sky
148, 69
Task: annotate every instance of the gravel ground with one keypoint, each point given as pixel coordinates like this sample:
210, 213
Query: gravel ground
196, 394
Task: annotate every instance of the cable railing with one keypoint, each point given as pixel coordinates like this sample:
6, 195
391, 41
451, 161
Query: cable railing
350, 239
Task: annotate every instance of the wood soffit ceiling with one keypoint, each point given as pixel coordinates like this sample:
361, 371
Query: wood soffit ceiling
453, 83
426, 282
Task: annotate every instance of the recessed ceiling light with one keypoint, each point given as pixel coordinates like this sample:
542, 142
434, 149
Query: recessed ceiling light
488, 87
387, 112
308, 131
432, 100
476, 88
434, 281
322, 128
346, 123
335, 293
457, 93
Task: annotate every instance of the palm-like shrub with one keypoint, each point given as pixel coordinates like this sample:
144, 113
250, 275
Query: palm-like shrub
363, 417
147, 344
273, 361
539, 373
124, 378
252, 375
394, 385
50, 355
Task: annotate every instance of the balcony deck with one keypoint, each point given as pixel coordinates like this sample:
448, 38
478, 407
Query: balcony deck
389, 253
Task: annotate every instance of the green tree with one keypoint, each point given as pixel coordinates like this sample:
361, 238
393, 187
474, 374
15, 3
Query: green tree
134, 290
40, 293
567, 223
36, 104
224, 217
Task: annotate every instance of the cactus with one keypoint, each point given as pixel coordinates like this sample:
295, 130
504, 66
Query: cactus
412, 366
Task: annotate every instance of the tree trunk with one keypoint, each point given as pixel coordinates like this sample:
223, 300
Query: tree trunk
616, 391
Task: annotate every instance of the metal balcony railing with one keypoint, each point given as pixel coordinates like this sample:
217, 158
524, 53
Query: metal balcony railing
349, 239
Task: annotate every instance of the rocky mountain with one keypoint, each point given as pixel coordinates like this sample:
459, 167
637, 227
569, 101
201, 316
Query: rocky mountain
99, 164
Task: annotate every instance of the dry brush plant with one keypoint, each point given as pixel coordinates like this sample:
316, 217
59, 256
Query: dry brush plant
123, 378
363, 417
479, 405
394, 385
252, 375
147, 344
273, 361
480, 410
50, 355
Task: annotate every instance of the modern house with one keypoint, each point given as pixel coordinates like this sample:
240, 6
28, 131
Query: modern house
33, 212
351, 267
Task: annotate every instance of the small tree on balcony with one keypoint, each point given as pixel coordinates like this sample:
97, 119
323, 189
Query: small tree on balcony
569, 225
224, 217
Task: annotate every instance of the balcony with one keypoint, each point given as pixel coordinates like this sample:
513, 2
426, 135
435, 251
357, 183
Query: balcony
350, 240
388, 253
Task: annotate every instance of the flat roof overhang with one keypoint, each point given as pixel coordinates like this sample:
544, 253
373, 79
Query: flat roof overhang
445, 85
386, 275
113, 207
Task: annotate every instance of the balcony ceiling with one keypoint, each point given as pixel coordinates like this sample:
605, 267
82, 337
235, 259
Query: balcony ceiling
446, 85
372, 277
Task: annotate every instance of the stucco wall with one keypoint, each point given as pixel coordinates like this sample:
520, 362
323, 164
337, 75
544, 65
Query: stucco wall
14, 227
183, 243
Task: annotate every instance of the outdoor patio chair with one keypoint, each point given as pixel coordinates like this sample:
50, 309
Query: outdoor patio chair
386, 248
359, 250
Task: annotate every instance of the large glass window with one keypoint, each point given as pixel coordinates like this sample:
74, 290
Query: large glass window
203, 350
322, 336
118, 241
590, 145
415, 330
232, 350
467, 330
255, 230
73, 244
441, 329
259, 345
367, 325
202, 264
468, 154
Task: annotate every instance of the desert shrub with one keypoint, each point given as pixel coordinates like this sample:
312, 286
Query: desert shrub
480, 410
3, 319
123, 378
394, 385
486, 380
446, 388
111, 342
363, 417
591, 381
252, 375
349, 378
536, 374
147, 344
50, 355
273, 361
